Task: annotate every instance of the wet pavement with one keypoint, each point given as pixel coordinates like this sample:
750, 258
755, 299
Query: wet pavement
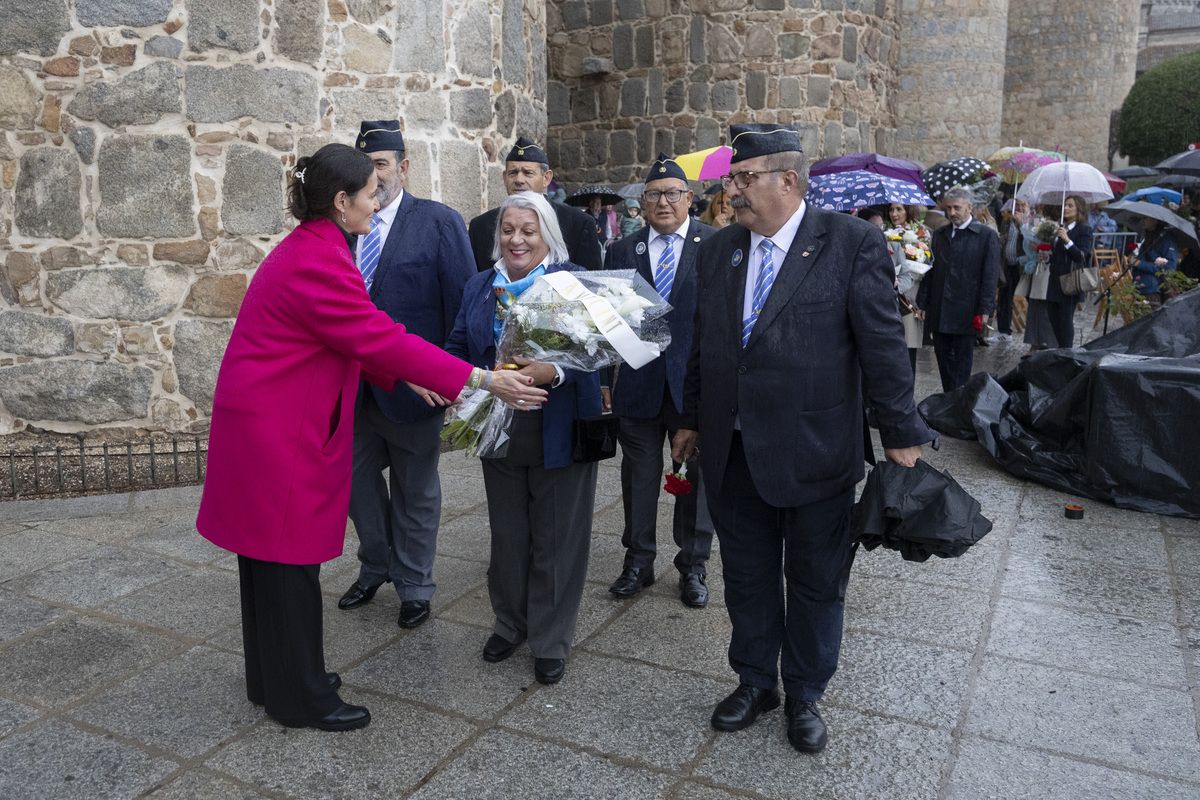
1056, 659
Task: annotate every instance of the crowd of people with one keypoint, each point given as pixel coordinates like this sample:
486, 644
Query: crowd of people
380, 308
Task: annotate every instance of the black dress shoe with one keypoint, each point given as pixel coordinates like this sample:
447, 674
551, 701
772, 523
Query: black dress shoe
345, 718
806, 730
741, 708
413, 613
335, 683
549, 670
498, 648
357, 595
693, 591
632, 581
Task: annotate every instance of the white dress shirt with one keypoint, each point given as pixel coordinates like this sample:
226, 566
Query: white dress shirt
782, 240
656, 243
387, 215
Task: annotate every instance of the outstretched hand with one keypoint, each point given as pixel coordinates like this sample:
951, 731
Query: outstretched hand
517, 390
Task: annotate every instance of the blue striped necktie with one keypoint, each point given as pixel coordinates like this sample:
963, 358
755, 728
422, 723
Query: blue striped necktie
664, 272
762, 287
368, 258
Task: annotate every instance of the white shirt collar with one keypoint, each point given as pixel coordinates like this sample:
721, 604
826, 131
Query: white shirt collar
388, 213
965, 225
681, 231
1071, 227
503, 270
784, 236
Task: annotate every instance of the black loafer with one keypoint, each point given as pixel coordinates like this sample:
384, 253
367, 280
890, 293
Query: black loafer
345, 718
693, 591
741, 708
806, 730
413, 613
357, 595
335, 683
549, 670
498, 648
632, 581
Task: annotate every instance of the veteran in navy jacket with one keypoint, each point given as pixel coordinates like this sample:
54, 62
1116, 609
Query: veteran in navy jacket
415, 262
796, 318
539, 501
649, 400
527, 169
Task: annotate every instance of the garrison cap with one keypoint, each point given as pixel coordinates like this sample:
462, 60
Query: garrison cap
379, 134
526, 150
759, 139
665, 167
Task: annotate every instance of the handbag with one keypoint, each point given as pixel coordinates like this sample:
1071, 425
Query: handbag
594, 438
1023, 285
1080, 281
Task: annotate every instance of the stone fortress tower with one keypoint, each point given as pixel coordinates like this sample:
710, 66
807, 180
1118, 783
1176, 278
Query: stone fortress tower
145, 144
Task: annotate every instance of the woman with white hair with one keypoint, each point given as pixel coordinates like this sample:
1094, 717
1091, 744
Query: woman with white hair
539, 501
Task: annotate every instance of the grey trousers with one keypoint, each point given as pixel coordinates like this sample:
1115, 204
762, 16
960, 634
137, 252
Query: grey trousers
397, 532
641, 481
541, 521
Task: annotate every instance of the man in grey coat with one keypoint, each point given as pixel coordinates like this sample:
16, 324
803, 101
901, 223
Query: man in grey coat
796, 318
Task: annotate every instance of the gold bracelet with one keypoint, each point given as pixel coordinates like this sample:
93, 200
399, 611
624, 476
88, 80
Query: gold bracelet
476, 378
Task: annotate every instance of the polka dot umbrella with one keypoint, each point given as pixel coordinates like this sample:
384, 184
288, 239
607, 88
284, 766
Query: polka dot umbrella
945, 175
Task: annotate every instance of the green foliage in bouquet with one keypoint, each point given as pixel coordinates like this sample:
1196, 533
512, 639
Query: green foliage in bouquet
1161, 113
1126, 300
1046, 231
1172, 282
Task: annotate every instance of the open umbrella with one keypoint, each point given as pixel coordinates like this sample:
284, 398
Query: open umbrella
870, 162
632, 190
707, 164
1178, 181
1013, 164
1116, 184
1136, 172
583, 196
843, 191
1053, 183
917, 511
1155, 194
716, 187
948, 174
1127, 213
1185, 163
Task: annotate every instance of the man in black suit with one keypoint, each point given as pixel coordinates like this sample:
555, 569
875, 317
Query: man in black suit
528, 170
796, 316
649, 400
960, 286
415, 262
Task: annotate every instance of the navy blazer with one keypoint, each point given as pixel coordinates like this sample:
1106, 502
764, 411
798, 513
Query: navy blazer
577, 228
1065, 259
423, 267
473, 340
829, 330
961, 284
639, 392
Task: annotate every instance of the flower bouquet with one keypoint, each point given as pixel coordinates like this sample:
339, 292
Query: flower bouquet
1039, 234
572, 320
913, 242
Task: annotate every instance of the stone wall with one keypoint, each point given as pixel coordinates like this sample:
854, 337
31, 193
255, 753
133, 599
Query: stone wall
951, 73
1069, 66
144, 147
629, 78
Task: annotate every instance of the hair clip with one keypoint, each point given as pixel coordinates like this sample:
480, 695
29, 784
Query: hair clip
299, 174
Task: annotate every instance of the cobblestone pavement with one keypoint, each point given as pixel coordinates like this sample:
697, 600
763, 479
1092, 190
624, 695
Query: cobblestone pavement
1057, 659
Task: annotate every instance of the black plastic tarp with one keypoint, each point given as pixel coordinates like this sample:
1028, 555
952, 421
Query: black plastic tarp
1116, 420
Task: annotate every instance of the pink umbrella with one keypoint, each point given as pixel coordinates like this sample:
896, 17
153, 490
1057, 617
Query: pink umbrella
705, 165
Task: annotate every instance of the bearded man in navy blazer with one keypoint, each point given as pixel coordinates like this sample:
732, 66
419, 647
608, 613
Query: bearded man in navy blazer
796, 318
415, 262
649, 401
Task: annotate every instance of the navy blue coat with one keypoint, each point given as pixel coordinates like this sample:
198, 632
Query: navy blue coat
425, 263
473, 340
961, 284
1065, 259
829, 330
639, 392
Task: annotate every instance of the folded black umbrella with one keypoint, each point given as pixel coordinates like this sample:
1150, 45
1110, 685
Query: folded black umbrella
917, 511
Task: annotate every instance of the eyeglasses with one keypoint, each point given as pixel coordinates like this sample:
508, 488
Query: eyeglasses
743, 179
673, 195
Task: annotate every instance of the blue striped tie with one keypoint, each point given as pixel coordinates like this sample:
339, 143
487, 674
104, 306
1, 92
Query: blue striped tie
368, 258
664, 273
762, 287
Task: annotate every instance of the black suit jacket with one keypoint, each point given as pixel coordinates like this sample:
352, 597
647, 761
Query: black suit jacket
829, 330
1065, 259
961, 284
578, 232
639, 392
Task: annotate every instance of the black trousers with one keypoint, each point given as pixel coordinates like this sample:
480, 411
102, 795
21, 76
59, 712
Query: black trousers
954, 354
1062, 320
785, 571
282, 640
1004, 298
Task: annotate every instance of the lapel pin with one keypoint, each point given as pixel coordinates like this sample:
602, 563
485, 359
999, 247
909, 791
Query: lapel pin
641, 248
737, 257
697, 240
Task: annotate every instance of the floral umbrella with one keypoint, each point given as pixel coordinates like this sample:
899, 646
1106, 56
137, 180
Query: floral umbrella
1013, 164
870, 162
843, 191
707, 164
948, 174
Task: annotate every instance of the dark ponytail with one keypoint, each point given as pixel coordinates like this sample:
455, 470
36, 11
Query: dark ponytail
318, 178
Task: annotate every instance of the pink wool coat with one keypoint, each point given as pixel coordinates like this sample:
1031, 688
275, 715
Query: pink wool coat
280, 446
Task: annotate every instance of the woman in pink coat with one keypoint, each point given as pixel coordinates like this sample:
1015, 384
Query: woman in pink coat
278, 485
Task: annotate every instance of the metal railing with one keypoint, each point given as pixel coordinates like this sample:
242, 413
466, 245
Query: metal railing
100, 468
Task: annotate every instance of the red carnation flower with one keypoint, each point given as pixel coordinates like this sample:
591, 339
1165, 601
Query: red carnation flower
1045, 248
978, 322
677, 482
